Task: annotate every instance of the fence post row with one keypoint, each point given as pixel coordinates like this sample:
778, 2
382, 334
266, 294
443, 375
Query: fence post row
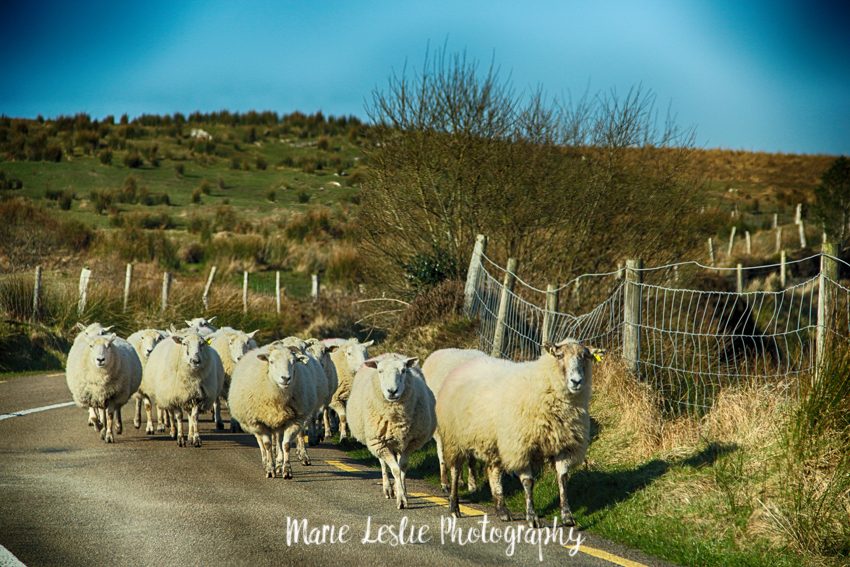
128, 278
632, 314
245, 292
166, 287
206, 297
85, 275
828, 271
549, 314
36, 293
504, 301
472, 272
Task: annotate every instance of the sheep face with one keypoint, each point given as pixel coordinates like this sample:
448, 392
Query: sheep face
240, 344
281, 364
193, 345
149, 341
356, 353
574, 360
100, 350
392, 374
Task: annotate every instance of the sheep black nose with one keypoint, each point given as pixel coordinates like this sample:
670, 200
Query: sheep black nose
576, 382
101, 360
392, 392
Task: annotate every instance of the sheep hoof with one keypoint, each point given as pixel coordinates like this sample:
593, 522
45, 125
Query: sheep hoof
532, 522
305, 461
149, 430
109, 438
503, 514
196, 442
160, 428
181, 441
471, 485
269, 474
137, 424
119, 429
444, 488
567, 520
287, 472
91, 423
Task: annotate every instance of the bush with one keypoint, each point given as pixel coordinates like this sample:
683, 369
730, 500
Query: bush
180, 169
271, 195
303, 197
105, 156
133, 160
65, 200
262, 164
9, 182
196, 195
205, 187
323, 143
235, 163
53, 152
192, 254
101, 200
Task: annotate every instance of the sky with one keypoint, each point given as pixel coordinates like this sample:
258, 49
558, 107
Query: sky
759, 75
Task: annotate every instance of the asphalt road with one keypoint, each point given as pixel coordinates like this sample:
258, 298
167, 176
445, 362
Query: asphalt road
66, 498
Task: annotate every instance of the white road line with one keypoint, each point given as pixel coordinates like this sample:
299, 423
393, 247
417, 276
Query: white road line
33, 410
9, 560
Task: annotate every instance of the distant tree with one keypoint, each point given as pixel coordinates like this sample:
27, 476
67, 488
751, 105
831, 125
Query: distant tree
832, 202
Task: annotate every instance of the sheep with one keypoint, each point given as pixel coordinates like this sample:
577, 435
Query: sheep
231, 345
203, 326
391, 411
347, 359
322, 353
184, 373
144, 342
271, 395
102, 373
437, 366
515, 417
87, 332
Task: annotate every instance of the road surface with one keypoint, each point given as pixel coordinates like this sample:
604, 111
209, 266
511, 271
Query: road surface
67, 498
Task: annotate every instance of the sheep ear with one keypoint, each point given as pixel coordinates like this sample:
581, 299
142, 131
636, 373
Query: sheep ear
411, 362
210, 320
111, 338
302, 358
176, 339
106, 329
252, 333
550, 348
371, 363
263, 357
333, 348
367, 344
188, 323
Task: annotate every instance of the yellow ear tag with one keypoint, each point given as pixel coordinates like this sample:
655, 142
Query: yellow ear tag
209, 341
597, 356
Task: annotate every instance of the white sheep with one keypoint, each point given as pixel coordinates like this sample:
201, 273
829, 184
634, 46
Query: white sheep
203, 326
102, 373
271, 395
231, 345
322, 353
517, 416
87, 332
348, 358
437, 366
144, 342
184, 373
391, 411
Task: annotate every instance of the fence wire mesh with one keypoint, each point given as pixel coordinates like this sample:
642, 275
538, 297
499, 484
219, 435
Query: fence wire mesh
692, 342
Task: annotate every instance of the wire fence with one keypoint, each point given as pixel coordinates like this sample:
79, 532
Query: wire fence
695, 332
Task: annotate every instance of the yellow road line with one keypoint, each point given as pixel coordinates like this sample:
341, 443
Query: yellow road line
466, 510
609, 557
439, 500
342, 466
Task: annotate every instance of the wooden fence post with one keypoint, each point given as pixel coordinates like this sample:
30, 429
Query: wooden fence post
739, 278
245, 292
711, 250
314, 289
775, 220
85, 276
36, 293
778, 239
802, 228
549, 314
828, 271
206, 297
504, 301
731, 240
783, 269
472, 273
128, 279
798, 216
166, 287
632, 314
749, 242
277, 291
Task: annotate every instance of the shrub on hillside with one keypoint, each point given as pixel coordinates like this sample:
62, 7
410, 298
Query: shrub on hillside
105, 156
133, 159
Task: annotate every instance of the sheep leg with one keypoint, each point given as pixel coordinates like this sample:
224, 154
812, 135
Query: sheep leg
148, 415
454, 506
234, 426
265, 443
194, 434
562, 468
101, 416
286, 444
137, 415
94, 421
527, 479
402, 481
444, 476
386, 486
312, 431
119, 425
161, 418
170, 418
219, 424
494, 475
471, 484
326, 421
110, 421
301, 452
343, 426
177, 425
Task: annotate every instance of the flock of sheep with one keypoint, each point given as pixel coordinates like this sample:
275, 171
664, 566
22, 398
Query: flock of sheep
514, 417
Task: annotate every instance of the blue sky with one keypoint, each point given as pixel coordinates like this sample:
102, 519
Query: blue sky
771, 76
